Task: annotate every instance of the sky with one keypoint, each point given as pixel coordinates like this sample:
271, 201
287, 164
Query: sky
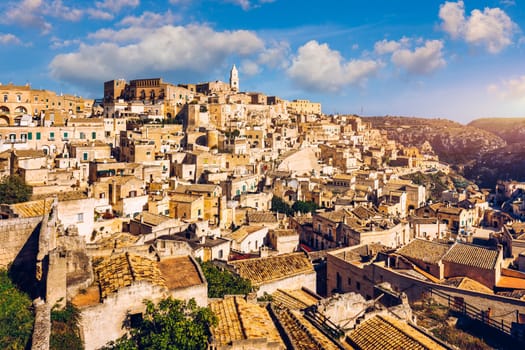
459, 60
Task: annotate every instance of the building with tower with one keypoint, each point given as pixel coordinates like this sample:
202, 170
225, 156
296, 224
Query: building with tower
234, 79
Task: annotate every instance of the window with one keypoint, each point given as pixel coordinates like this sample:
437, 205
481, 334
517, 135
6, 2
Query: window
66, 135
80, 217
82, 136
221, 253
85, 156
52, 135
18, 98
23, 137
5, 98
102, 195
358, 285
349, 281
93, 135
38, 135
29, 135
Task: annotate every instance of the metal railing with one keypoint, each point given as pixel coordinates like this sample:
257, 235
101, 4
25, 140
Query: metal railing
460, 307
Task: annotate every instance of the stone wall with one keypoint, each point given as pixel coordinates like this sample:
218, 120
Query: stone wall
14, 235
42, 328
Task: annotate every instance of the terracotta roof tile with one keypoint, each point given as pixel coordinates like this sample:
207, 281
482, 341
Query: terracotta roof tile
472, 255
32, 208
256, 217
387, 333
427, 251
263, 270
239, 319
297, 299
179, 272
122, 270
302, 334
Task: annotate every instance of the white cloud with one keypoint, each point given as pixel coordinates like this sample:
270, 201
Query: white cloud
58, 10
248, 4
511, 89
492, 28
99, 14
389, 46
453, 16
35, 13
249, 67
422, 60
132, 51
57, 43
26, 13
508, 2
116, 5
106, 9
6, 39
276, 55
317, 67
150, 19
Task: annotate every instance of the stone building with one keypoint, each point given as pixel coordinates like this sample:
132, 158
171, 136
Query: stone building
288, 271
123, 281
17, 101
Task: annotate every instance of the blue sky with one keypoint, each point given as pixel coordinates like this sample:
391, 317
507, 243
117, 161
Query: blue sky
459, 60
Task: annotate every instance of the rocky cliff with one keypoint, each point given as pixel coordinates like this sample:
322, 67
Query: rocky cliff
453, 142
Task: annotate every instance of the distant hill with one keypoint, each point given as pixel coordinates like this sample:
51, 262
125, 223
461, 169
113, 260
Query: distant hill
512, 130
506, 163
453, 142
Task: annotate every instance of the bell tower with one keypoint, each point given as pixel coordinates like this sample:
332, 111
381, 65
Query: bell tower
234, 79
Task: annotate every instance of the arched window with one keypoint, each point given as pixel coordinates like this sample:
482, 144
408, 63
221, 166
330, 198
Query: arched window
20, 109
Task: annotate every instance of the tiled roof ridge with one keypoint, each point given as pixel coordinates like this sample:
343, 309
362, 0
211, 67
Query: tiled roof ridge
478, 246
130, 266
241, 319
294, 325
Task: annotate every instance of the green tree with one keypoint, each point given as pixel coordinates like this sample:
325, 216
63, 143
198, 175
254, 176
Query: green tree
224, 282
65, 333
16, 315
280, 206
170, 324
304, 207
14, 190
